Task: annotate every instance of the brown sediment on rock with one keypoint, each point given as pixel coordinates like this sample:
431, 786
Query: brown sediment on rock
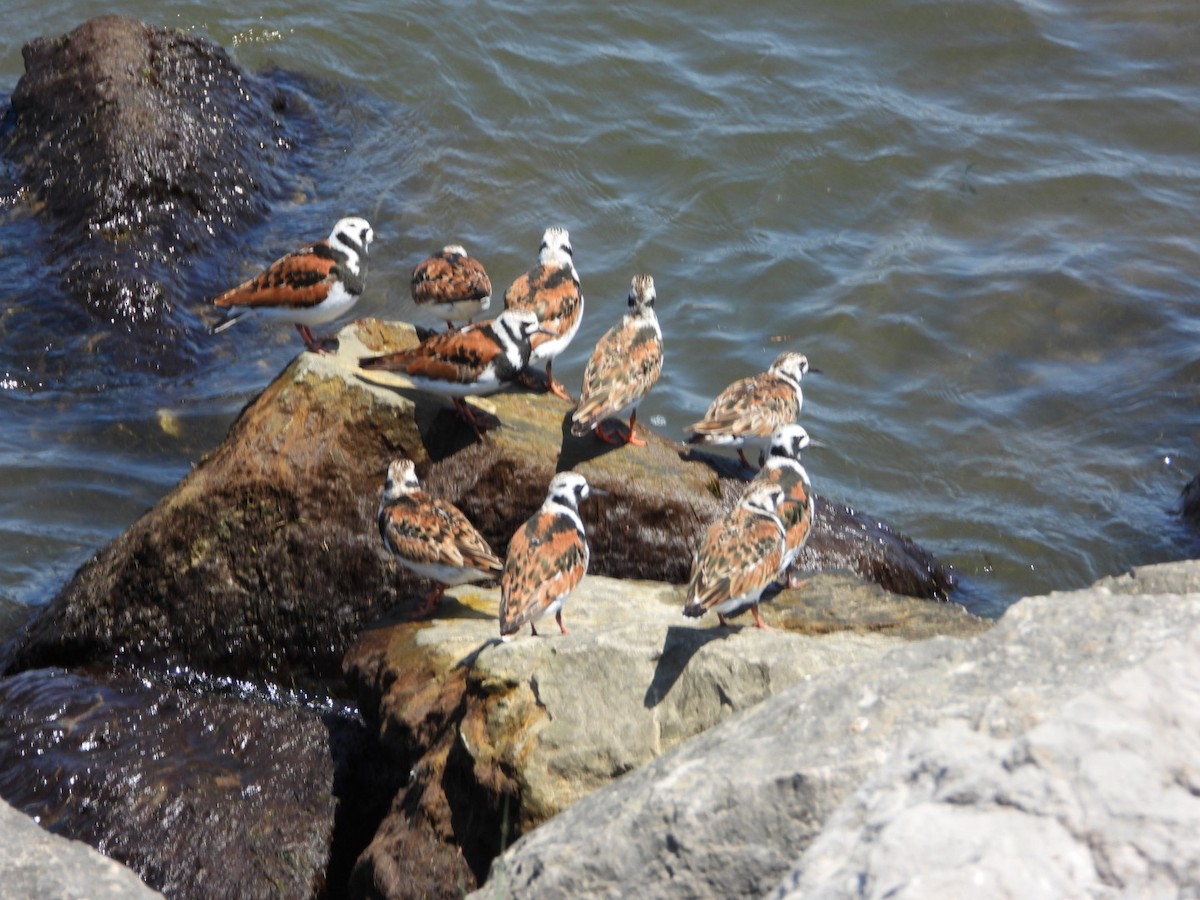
264, 561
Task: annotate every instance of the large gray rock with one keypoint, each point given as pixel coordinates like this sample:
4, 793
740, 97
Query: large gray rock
37, 864
1101, 800
729, 812
501, 736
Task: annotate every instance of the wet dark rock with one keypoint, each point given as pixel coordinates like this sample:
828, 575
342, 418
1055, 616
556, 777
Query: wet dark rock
1189, 502
38, 864
203, 796
140, 147
265, 561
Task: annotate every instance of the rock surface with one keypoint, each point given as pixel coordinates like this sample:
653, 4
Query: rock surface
202, 795
729, 812
142, 148
1189, 502
501, 736
37, 864
1100, 800
265, 561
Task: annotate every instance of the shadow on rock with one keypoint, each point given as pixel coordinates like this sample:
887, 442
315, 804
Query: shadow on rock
681, 644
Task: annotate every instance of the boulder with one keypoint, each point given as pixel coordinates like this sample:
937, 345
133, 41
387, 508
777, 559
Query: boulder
1189, 502
264, 565
140, 149
202, 794
500, 736
729, 812
265, 561
38, 864
1101, 799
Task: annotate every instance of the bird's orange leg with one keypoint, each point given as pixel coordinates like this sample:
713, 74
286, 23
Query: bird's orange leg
467, 416
431, 601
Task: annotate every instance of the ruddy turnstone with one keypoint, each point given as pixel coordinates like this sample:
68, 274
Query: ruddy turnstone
308, 287
476, 360
452, 285
740, 557
550, 289
547, 557
430, 536
797, 505
748, 411
623, 367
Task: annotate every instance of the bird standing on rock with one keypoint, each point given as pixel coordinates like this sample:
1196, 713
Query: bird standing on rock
430, 536
476, 360
741, 555
551, 289
624, 366
308, 287
797, 506
748, 411
547, 557
452, 285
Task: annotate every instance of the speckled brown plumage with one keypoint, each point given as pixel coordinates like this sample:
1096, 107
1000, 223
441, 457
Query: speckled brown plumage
750, 410
551, 289
740, 556
624, 366
307, 287
547, 557
452, 285
431, 536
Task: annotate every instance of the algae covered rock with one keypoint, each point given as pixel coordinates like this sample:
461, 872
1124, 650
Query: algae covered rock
264, 561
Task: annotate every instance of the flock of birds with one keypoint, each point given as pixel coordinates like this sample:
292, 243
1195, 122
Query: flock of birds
742, 554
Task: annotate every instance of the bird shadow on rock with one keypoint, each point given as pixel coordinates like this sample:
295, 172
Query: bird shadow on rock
450, 607
723, 466
680, 645
576, 450
446, 433
468, 661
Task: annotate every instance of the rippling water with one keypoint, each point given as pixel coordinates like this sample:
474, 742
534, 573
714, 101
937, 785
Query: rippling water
976, 218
